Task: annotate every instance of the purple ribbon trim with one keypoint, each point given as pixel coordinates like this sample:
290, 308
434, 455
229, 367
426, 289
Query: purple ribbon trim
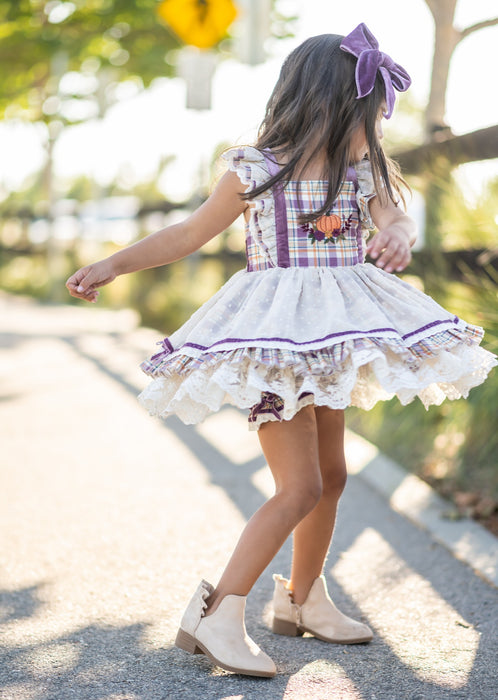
248, 341
283, 259
167, 349
454, 320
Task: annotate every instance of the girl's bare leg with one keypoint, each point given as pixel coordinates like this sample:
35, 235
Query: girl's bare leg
313, 534
291, 450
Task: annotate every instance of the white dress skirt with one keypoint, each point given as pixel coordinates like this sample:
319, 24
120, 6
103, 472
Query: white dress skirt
308, 321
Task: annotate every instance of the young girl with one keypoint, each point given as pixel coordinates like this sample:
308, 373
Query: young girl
306, 330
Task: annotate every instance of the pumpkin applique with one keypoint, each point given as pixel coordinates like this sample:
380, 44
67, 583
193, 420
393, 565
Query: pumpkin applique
329, 228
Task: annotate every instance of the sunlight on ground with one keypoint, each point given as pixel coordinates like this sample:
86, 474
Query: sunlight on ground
313, 681
412, 496
395, 599
58, 657
359, 452
228, 432
263, 481
15, 691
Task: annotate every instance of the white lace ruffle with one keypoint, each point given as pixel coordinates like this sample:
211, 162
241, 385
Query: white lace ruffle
250, 165
361, 379
365, 192
346, 335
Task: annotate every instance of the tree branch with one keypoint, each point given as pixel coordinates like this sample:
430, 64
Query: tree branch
475, 27
466, 148
432, 7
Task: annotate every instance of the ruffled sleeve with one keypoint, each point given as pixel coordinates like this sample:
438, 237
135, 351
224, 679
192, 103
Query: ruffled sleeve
250, 166
366, 192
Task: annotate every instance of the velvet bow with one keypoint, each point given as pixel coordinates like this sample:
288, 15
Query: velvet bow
362, 44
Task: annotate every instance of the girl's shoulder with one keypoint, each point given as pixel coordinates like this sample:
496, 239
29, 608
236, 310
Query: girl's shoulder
249, 163
248, 154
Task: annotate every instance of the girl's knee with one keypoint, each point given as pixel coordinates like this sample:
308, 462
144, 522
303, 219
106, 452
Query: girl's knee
302, 497
334, 478
312, 494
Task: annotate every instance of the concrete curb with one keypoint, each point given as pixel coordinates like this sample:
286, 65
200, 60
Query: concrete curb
413, 498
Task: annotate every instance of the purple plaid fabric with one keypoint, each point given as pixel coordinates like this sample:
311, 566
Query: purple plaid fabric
304, 198
257, 254
309, 197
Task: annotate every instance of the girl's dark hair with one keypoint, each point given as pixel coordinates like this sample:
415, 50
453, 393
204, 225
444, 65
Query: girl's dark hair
314, 110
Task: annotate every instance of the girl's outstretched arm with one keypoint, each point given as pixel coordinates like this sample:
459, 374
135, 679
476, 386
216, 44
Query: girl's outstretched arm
394, 238
167, 245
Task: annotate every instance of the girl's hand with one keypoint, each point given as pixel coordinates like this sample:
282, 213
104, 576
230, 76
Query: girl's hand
83, 284
392, 244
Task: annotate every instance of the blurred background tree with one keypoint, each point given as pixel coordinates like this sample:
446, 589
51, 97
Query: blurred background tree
42, 40
454, 446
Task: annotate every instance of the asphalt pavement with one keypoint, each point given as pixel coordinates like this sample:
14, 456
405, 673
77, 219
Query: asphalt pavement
109, 519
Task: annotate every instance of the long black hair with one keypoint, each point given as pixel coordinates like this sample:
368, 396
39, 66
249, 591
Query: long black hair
314, 109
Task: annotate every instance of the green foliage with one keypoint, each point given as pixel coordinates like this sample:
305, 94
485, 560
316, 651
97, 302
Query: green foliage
25, 275
454, 445
42, 39
464, 225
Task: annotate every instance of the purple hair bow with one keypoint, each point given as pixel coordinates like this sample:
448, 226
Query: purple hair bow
362, 44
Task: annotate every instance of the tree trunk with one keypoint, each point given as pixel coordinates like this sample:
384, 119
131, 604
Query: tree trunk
445, 40
438, 174
476, 145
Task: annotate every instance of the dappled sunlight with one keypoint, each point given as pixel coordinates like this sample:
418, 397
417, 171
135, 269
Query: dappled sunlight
47, 659
412, 496
312, 681
359, 452
113, 520
403, 607
81, 660
26, 691
263, 481
227, 431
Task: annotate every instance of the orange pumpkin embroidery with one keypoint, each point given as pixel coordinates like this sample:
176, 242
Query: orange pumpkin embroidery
328, 223
330, 228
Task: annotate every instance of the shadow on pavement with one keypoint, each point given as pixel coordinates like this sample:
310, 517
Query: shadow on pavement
115, 663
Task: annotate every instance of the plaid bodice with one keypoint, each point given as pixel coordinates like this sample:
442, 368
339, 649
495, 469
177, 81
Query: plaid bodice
274, 235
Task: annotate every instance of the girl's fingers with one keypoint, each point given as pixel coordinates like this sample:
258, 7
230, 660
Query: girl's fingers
404, 262
80, 286
84, 282
384, 260
390, 253
395, 257
376, 245
75, 280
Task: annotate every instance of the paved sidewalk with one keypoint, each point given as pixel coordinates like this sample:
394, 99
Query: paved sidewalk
110, 518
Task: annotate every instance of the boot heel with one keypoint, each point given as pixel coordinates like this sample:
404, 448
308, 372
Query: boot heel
185, 641
290, 629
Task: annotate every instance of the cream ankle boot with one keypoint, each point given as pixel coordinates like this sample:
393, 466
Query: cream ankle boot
317, 615
222, 636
